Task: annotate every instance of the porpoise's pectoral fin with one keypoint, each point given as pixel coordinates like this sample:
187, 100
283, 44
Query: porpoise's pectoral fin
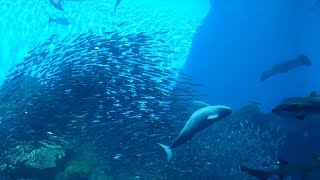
200, 104
212, 116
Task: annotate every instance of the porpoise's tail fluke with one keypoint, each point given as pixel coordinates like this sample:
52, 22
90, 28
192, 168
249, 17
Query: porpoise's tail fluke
168, 151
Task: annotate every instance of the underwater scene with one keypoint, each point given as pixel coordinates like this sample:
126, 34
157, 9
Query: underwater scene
159, 89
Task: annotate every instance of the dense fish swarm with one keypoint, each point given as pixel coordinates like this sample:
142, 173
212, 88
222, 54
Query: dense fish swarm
112, 90
95, 106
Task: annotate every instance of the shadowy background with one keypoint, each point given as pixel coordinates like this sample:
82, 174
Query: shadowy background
240, 39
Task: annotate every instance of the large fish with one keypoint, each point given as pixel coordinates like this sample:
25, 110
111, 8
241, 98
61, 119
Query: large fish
299, 107
198, 121
285, 170
285, 66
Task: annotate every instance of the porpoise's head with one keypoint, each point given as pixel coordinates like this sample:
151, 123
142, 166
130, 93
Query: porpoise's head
219, 112
223, 111
211, 114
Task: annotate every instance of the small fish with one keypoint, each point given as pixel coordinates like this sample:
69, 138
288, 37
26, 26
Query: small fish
254, 102
117, 156
121, 24
117, 4
61, 21
57, 4
164, 32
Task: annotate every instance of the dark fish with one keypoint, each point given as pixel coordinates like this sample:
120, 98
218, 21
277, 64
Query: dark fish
57, 4
285, 170
299, 107
61, 21
121, 24
116, 5
254, 102
163, 32
286, 66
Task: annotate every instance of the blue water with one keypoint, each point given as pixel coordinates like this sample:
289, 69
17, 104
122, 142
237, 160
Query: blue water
92, 90
240, 39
